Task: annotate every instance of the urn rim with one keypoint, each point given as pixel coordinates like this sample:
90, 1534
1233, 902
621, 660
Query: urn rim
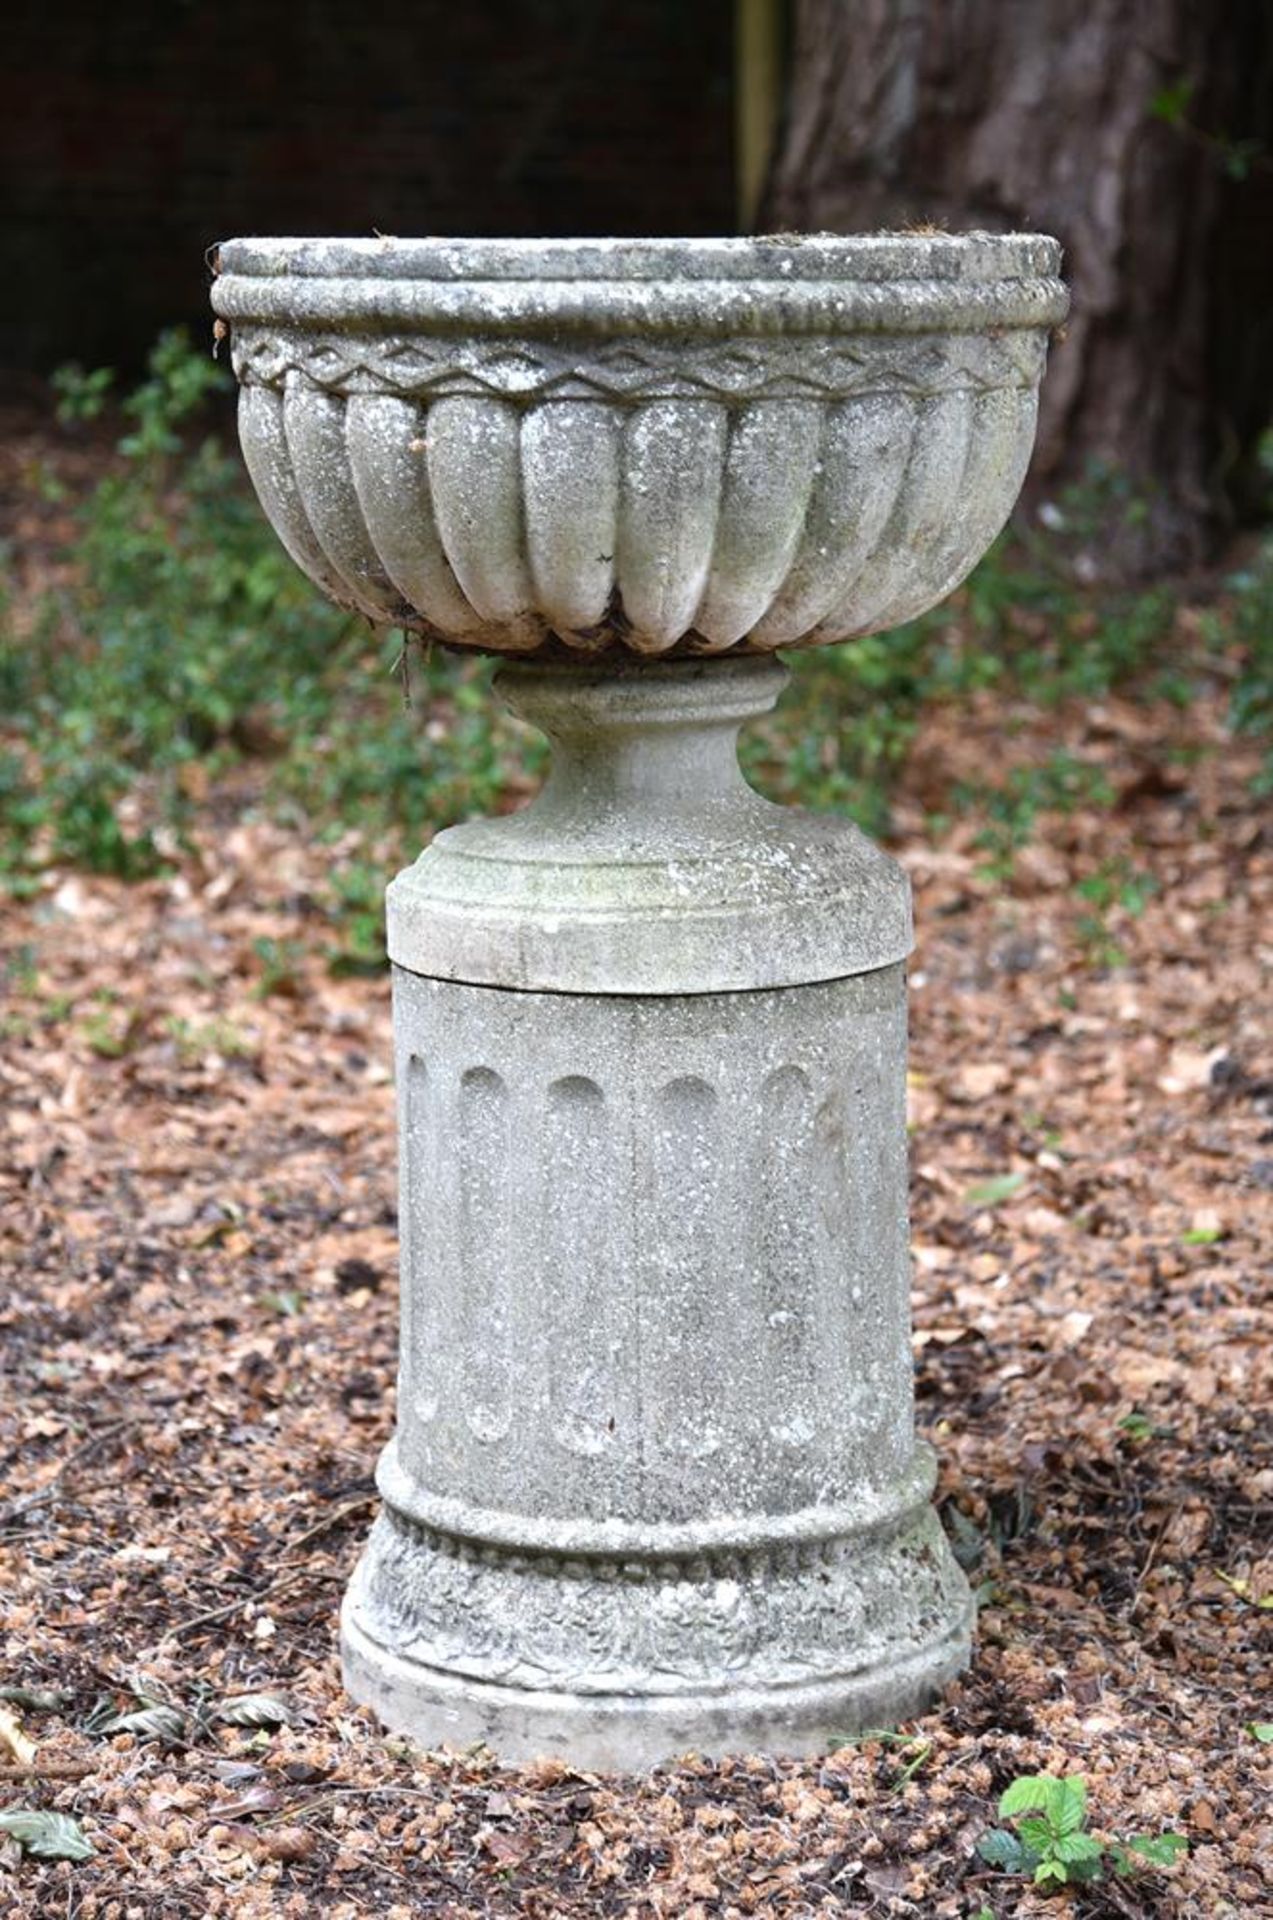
966, 257
787, 285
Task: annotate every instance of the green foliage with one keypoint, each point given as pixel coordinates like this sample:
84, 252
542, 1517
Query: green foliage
1114, 887
188, 640
1159, 1849
196, 1038
280, 967
1059, 784
359, 888
1251, 709
191, 637
1171, 104
183, 622
1140, 1428
1048, 1838
1201, 1236
81, 395
993, 1192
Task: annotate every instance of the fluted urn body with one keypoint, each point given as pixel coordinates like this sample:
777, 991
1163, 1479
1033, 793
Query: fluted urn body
663, 447
655, 1482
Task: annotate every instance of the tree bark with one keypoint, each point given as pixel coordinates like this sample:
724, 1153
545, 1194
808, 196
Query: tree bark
1121, 126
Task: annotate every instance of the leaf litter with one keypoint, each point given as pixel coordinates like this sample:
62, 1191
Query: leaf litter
198, 1328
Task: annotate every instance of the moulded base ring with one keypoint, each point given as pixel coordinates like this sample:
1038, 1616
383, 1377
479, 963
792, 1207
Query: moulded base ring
628, 1732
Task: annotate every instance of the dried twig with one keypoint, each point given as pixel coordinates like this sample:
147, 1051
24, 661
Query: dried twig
231, 1606
75, 1457
333, 1519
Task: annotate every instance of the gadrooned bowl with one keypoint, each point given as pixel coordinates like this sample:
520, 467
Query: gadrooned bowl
650, 447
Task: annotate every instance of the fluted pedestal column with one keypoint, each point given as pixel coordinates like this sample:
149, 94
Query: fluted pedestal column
655, 1483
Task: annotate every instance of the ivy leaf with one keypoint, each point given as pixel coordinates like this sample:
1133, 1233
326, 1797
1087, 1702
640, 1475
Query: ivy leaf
1171, 103
253, 1710
154, 1721
999, 1848
48, 1836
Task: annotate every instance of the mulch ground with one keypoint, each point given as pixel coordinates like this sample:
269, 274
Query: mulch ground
198, 1318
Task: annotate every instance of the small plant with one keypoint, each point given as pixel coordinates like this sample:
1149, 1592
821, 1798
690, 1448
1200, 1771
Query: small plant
1251, 709
1140, 1428
359, 890
195, 1039
109, 1035
281, 966
1116, 883
1048, 1837
81, 394
1060, 784
912, 1751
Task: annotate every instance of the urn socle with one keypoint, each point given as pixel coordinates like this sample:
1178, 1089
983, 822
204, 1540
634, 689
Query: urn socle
655, 1483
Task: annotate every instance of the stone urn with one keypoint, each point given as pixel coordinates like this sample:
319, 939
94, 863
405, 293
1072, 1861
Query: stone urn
655, 1483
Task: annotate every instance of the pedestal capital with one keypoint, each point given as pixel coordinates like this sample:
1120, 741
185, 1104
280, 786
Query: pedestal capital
648, 865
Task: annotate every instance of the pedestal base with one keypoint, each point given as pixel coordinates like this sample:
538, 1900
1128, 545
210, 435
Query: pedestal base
655, 1483
629, 1731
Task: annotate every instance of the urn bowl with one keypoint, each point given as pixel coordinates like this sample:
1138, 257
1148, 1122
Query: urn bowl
614, 447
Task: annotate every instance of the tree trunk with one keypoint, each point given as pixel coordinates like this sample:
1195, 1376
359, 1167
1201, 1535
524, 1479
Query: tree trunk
1136, 131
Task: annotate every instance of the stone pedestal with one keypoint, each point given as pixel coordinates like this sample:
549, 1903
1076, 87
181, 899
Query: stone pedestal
655, 1483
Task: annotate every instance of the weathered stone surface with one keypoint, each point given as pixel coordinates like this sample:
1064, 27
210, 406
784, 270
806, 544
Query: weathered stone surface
530, 446
647, 864
786, 1655
655, 1439
655, 1483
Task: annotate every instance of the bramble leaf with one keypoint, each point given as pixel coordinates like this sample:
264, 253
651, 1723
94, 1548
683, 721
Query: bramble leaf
999, 1848
1068, 1807
1030, 1794
1161, 1850
1037, 1833
1077, 1848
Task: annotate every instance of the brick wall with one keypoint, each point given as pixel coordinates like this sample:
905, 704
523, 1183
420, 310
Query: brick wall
134, 133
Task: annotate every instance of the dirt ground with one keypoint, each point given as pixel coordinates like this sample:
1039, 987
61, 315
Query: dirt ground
198, 1322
